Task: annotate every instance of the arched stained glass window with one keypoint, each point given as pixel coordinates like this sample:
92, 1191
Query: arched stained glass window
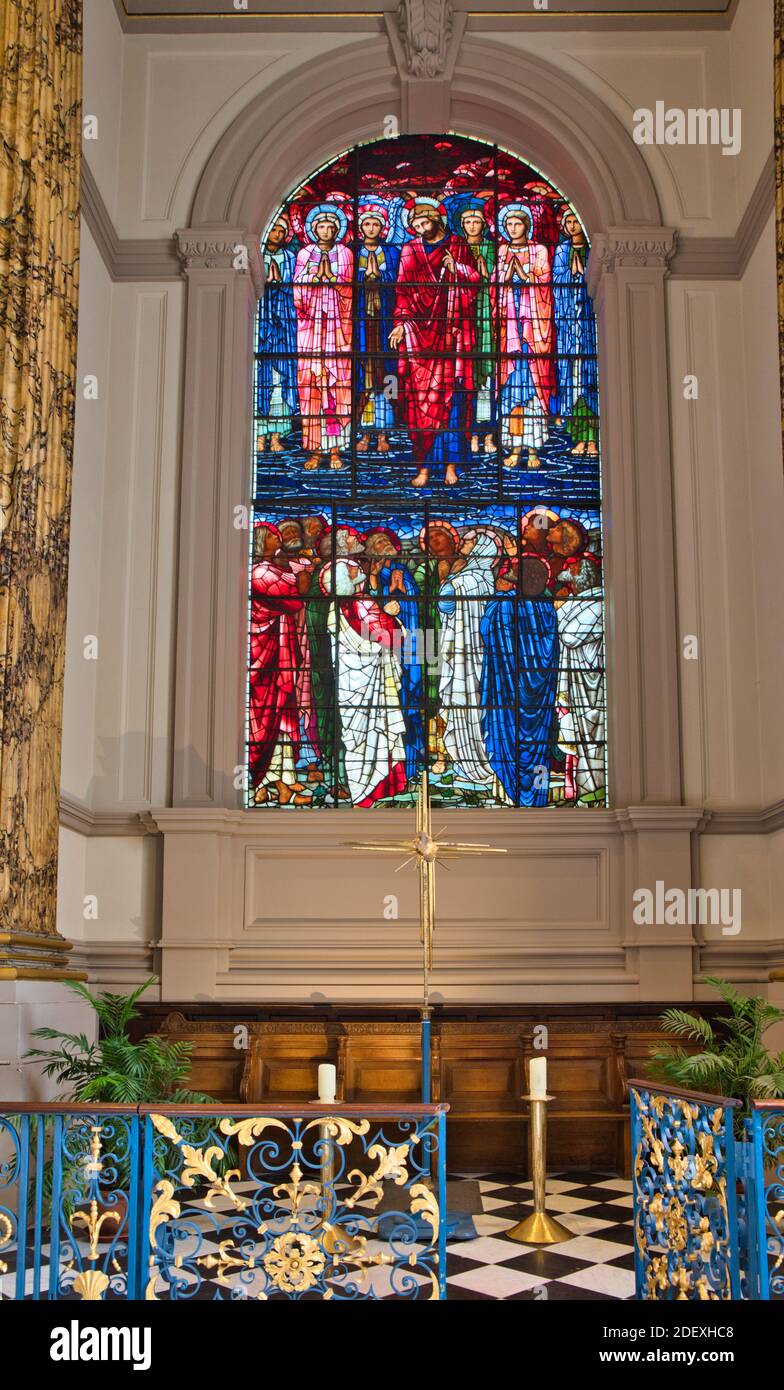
426, 558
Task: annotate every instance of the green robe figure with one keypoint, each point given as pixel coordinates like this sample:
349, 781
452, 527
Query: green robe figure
473, 222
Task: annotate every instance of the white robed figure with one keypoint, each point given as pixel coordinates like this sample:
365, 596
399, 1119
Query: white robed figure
580, 699
366, 645
462, 601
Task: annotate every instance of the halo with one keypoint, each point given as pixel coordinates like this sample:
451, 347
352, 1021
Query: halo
384, 531
520, 208
540, 511
484, 529
424, 200
330, 210
438, 524
373, 207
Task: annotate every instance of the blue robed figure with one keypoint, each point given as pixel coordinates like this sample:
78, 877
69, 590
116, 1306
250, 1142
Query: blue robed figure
575, 327
276, 371
519, 683
377, 264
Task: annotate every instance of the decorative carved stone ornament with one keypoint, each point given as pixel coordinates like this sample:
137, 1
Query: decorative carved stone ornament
426, 28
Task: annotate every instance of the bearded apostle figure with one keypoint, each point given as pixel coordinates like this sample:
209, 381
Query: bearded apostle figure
377, 264
322, 298
365, 647
435, 333
276, 381
277, 675
578, 392
524, 299
462, 603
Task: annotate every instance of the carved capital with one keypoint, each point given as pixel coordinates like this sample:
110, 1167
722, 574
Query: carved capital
221, 248
425, 29
633, 246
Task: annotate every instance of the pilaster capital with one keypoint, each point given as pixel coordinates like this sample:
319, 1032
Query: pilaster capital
634, 245
218, 247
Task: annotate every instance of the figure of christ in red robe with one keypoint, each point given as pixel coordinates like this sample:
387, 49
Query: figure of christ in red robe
279, 673
435, 318
367, 649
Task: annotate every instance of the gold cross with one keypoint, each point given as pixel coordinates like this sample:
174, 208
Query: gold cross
425, 850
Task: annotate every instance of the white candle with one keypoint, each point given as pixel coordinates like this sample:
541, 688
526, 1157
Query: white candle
537, 1077
327, 1082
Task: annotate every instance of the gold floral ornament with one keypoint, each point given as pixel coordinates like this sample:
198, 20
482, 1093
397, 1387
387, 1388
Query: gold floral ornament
198, 1164
391, 1164
296, 1191
677, 1227
6, 1234
163, 1208
295, 1262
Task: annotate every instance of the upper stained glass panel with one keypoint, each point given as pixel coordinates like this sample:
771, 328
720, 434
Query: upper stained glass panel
426, 567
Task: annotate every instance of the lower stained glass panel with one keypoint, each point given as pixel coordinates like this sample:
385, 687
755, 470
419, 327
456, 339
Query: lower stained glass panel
467, 642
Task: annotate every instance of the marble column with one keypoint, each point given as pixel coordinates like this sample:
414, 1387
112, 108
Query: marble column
40, 128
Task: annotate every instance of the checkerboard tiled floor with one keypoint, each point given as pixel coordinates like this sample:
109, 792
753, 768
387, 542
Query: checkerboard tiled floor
597, 1263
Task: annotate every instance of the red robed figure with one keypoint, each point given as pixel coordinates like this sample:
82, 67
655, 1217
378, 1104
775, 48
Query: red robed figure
438, 313
278, 661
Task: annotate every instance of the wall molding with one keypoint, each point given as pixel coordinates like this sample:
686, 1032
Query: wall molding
165, 258
512, 825
117, 965
125, 258
276, 16
78, 816
726, 258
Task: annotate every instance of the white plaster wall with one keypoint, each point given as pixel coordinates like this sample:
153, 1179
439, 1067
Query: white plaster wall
89, 476
132, 736
761, 446
751, 75
180, 93
104, 48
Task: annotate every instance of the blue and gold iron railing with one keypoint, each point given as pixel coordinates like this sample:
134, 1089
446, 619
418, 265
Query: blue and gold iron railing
684, 1187
240, 1202
765, 1130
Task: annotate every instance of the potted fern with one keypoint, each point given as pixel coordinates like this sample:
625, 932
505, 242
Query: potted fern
731, 1062
114, 1070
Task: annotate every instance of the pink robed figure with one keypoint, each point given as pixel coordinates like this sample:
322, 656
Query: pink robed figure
322, 299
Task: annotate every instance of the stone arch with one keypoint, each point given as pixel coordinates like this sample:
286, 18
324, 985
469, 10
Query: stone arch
532, 107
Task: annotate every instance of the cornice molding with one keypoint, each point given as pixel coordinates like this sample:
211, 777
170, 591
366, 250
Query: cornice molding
746, 822
129, 258
196, 820
112, 963
726, 258
276, 16
78, 816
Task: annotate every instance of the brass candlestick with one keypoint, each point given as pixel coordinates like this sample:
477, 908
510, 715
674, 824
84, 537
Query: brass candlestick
539, 1228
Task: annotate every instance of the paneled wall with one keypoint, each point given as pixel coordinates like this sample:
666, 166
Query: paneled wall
275, 907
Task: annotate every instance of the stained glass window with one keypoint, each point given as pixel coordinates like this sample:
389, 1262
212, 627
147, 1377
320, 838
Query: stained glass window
426, 557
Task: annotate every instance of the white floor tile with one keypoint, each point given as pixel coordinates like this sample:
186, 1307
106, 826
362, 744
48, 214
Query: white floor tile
591, 1248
